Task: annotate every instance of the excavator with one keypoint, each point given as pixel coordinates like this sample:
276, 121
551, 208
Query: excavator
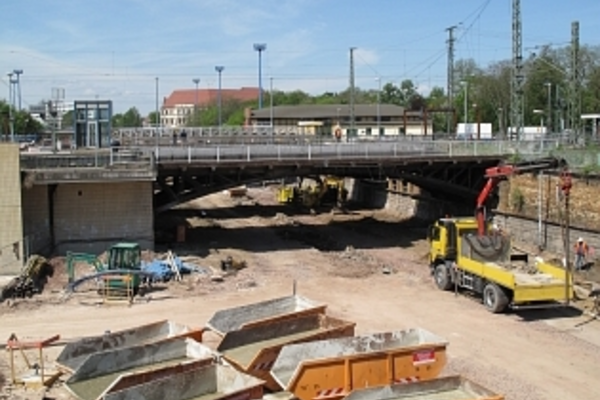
327, 190
122, 259
466, 253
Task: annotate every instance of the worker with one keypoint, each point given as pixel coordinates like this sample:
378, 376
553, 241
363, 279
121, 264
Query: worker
581, 253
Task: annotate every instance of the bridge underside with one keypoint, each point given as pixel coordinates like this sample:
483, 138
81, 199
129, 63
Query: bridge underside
450, 179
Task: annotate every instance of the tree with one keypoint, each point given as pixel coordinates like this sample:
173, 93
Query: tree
436, 100
153, 118
132, 118
23, 122
68, 120
391, 94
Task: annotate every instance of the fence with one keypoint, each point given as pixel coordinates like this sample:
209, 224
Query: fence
332, 151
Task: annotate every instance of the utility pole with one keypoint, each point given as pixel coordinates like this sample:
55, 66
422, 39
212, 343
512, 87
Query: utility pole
516, 104
352, 114
450, 76
574, 84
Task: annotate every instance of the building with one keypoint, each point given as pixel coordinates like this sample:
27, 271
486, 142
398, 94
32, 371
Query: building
43, 112
178, 107
334, 119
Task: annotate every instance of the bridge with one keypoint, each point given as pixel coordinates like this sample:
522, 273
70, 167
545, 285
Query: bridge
449, 169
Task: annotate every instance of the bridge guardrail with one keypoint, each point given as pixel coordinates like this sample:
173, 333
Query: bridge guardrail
147, 157
122, 158
333, 150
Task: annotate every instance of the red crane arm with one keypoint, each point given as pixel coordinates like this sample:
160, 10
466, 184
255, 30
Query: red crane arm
494, 176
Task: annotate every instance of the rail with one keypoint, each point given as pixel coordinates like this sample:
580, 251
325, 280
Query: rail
348, 151
146, 157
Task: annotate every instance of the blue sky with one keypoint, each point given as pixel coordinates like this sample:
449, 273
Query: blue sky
114, 49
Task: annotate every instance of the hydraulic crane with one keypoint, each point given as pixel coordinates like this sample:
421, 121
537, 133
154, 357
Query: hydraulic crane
495, 175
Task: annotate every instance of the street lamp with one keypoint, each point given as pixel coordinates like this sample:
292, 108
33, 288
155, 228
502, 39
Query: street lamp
260, 47
10, 106
196, 82
219, 69
18, 73
465, 84
157, 113
541, 113
378, 106
271, 100
549, 116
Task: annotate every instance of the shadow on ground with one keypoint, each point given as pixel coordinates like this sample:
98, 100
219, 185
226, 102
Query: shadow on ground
548, 313
285, 233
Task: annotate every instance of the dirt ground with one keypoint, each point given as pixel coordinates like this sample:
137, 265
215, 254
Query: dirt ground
368, 266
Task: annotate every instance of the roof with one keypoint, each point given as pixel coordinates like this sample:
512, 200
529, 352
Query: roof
318, 111
207, 96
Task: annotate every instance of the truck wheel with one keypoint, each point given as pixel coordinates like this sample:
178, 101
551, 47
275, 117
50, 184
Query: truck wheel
494, 298
442, 277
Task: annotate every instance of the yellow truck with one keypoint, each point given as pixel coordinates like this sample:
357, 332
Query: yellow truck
487, 266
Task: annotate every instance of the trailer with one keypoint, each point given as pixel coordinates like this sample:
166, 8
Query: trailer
448, 388
254, 350
213, 382
265, 312
75, 353
101, 371
330, 369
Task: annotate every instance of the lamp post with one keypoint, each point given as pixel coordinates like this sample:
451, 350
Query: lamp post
157, 112
10, 107
18, 73
219, 69
549, 115
196, 82
271, 100
260, 47
378, 106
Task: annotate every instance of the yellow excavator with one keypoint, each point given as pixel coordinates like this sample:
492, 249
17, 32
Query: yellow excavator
327, 190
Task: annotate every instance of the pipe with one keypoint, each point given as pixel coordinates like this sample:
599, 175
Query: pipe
71, 287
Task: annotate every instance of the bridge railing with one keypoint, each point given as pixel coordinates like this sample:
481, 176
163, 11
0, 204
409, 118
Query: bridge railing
333, 150
124, 158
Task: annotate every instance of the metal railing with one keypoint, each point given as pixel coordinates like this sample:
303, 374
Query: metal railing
147, 157
116, 158
339, 151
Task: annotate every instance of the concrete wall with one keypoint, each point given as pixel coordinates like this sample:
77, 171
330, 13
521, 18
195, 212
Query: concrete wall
91, 216
526, 230
402, 199
11, 229
36, 219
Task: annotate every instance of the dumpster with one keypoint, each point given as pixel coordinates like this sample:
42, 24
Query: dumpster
449, 388
100, 371
265, 312
214, 382
254, 350
330, 369
75, 353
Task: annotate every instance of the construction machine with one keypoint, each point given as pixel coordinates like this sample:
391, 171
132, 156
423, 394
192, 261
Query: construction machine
122, 258
31, 280
327, 190
467, 253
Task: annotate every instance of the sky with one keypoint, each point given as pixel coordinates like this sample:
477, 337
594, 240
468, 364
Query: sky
115, 49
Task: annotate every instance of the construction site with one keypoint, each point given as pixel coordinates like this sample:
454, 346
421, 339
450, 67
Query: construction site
297, 292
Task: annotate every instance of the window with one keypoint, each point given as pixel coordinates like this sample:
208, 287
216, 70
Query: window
368, 132
434, 233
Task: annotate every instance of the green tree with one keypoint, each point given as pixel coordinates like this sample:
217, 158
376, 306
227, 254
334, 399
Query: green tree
132, 118
153, 117
68, 120
391, 94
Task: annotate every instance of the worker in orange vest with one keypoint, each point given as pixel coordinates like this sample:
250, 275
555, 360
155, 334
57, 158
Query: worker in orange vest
581, 252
